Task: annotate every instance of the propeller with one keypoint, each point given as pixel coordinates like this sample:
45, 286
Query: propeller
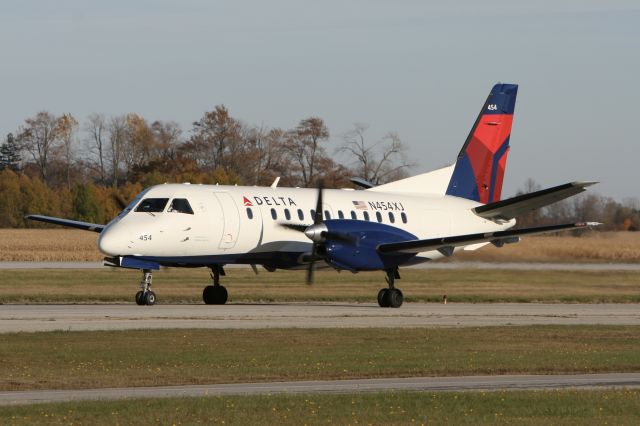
314, 232
317, 233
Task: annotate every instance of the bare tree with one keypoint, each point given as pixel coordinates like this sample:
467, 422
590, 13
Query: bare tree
303, 146
214, 137
67, 128
379, 163
39, 136
166, 135
96, 128
269, 158
117, 128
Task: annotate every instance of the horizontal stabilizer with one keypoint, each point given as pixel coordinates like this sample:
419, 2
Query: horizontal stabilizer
417, 246
522, 204
67, 222
362, 183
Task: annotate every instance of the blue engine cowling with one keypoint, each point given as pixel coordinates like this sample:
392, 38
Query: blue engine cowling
361, 253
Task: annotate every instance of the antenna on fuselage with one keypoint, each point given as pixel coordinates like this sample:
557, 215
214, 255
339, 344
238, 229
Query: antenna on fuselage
275, 182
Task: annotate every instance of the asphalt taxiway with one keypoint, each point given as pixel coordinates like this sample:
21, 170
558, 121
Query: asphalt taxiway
461, 383
33, 318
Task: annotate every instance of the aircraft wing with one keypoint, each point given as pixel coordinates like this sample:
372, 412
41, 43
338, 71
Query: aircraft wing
417, 246
67, 222
522, 204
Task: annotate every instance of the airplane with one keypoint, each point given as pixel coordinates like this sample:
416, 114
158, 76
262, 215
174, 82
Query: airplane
385, 227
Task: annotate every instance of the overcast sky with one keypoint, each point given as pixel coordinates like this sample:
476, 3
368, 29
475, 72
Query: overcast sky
419, 68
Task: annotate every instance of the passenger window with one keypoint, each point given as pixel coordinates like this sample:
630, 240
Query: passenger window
366, 215
152, 205
313, 215
340, 215
180, 205
287, 214
404, 217
327, 215
300, 214
274, 215
379, 216
249, 213
353, 215
392, 219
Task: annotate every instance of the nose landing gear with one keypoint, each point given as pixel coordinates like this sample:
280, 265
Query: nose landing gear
390, 297
215, 294
145, 296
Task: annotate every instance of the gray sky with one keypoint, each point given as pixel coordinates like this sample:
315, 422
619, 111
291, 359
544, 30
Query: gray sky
420, 68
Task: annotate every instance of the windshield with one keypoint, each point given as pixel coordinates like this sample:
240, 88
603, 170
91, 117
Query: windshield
152, 205
180, 205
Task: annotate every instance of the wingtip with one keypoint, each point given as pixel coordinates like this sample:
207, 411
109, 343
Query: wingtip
588, 224
585, 183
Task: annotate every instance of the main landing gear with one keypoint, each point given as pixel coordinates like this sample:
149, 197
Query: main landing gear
145, 296
215, 294
390, 297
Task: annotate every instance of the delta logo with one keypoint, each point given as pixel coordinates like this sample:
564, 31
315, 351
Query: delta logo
269, 201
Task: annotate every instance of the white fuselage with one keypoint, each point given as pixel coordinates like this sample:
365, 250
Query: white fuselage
241, 224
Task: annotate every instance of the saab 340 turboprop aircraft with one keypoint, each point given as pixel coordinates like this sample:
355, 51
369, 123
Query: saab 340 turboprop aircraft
401, 223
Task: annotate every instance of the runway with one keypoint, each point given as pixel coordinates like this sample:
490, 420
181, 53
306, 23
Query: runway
434, 384
32, 318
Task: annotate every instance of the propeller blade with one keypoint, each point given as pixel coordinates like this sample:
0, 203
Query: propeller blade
312, 265
319, 218
294, 226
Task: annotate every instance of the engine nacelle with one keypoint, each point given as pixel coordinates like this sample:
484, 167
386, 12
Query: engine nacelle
360, 254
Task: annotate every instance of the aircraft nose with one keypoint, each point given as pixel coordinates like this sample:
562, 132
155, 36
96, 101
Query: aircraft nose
108, 243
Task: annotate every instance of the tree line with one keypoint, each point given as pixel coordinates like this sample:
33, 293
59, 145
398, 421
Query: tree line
588, 206
56, 165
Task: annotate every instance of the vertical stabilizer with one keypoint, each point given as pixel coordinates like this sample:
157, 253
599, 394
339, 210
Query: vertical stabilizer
480, 167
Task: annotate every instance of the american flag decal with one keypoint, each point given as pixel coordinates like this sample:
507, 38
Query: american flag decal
360, 205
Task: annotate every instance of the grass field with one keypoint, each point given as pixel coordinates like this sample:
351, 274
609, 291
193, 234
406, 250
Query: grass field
460, 285
74, 360
562, 407
74, 245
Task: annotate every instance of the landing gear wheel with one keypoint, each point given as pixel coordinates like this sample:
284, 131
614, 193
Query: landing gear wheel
149, 298
383, 298
395, 298
145, 296
215, 295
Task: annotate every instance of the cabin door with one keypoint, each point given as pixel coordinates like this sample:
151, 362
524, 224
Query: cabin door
230, 219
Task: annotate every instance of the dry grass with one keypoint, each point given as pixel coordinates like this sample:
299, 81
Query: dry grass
460, 285
48, 245
542, 407
66, 245
87, 359
592, 247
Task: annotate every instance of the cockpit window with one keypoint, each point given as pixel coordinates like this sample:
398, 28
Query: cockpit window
180, 205
152, 205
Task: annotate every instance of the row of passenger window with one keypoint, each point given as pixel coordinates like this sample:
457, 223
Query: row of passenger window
327, 215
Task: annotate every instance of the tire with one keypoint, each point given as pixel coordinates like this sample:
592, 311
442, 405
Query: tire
208, 295
140, 298
150, 298
221, 295
395, 298
383, 298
